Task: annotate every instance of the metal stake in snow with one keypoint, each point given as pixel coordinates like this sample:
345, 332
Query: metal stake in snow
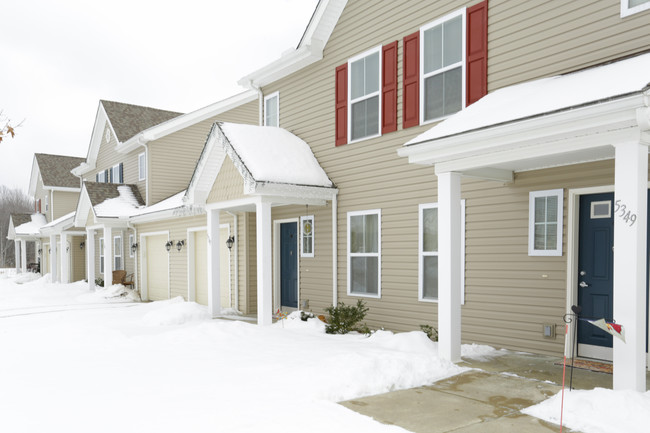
563, 377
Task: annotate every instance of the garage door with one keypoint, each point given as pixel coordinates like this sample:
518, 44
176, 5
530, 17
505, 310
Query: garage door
201, 267
157, 268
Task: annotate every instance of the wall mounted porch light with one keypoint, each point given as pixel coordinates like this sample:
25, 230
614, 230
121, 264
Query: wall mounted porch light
169, 245
134, 248
40, 251
179, 245
82, 245
229, 242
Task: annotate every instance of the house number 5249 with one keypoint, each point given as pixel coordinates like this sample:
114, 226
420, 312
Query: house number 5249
622, 212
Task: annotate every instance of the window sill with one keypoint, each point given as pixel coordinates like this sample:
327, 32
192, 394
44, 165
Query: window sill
358, 140
365, 295
430, 300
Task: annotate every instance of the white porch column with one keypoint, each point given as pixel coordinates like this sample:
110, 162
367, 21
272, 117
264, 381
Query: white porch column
17, 254
108, 256
65, 278
264, 275
23, 255
214, 277
90, 258
449, 230
630, 229
54, 263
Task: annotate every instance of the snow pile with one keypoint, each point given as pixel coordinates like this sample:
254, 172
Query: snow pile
480, 353
27, 277
175, 312
116, 293
597, 411
231, 312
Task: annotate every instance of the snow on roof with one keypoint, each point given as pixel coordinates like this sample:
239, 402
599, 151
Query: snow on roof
275, 155
546, 95
173, 202
59, 220
123, 205
32, 227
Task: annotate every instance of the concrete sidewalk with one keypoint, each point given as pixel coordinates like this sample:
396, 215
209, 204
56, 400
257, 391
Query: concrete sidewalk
485, 400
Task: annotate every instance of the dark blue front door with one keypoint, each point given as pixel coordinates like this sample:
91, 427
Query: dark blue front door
289, 265
596, 266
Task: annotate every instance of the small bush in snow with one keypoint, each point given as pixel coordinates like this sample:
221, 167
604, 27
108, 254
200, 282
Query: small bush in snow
99, 281
431, 332
346, 318
305, 315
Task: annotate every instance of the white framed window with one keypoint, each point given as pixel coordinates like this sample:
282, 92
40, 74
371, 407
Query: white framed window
118, 264
131, 242
116, 174
364, 95
307, 236
428, 252
364, 253
272, 109
101, 255
442, 67
631, 7
545, 210
100, 177
47, 203
142, 166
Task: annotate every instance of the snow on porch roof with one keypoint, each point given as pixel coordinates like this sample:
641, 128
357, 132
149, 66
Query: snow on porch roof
546, 95
275, 155
32, 227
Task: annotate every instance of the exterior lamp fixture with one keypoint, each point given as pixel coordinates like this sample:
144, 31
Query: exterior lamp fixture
40, 251
169, 245
134, 248
82, 245
179, 245
67, 249
229, 242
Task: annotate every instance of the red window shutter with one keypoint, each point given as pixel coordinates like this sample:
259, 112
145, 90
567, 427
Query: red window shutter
342, 104
477, 19
411, 84
39, 205
389, 88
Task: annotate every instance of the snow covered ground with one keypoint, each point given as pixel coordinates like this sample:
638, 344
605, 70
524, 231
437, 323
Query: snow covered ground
74, 361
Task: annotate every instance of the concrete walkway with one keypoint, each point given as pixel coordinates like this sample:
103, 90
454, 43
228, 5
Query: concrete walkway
485, 400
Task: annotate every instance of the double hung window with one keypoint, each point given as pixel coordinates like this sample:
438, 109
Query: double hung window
545, 223
117, 253
272, 109
101, 255
142, 166
307, 236
364, 94
364, 253
443, 66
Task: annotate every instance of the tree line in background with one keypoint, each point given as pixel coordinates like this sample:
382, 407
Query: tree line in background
12, 201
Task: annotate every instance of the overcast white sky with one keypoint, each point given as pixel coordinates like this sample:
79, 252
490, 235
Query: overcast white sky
59, 58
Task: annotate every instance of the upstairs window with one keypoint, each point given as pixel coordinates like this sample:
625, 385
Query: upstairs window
272, 109
545, 210
117, 173
100, 177
630, 7
364, 96
142, 166
442, 67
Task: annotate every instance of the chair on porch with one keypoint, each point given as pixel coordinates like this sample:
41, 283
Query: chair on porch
120, 277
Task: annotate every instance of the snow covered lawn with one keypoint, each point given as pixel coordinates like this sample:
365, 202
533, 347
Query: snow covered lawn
73, 361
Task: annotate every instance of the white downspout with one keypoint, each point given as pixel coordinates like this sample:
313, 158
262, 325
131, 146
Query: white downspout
335, 247
236, 231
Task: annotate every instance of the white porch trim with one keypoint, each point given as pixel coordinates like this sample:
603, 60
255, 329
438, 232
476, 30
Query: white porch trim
65, 258
264, 272
630, 252
90, 258
214, 268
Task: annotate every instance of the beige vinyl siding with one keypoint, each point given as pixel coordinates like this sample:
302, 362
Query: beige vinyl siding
508, 300
532, 39
63, 203
172, 159
229, 184
107, 157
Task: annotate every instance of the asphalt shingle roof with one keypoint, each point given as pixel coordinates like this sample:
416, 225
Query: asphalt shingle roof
55, 169
128, 120
20, 218
100, 192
